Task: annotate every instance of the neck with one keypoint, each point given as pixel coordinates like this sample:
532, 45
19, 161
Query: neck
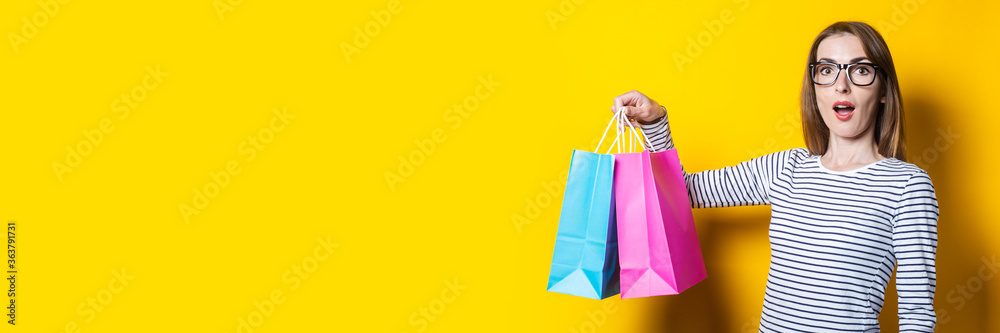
860, 150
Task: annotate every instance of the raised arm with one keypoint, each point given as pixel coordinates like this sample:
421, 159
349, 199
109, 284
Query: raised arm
747, 183
914, 242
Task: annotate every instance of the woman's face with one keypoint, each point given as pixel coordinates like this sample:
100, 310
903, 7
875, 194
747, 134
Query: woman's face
848, 110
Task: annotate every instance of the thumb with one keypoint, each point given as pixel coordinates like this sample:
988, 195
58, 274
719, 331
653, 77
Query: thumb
630, 111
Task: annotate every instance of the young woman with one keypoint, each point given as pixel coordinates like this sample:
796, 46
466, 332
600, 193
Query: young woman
845, 211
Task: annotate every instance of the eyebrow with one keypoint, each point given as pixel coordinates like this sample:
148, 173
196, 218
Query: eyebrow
855, 60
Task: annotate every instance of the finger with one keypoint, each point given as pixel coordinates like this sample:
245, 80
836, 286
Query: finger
631, 98
630, 111
617, 103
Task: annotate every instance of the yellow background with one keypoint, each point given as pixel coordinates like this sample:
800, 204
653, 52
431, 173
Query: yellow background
398, 246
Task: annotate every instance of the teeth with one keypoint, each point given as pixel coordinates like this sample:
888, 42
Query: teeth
841, 106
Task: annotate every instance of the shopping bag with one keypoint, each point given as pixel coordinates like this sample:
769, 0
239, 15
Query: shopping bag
585, 258
658, 245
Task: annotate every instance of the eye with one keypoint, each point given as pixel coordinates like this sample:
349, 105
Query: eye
825, 70
863, 70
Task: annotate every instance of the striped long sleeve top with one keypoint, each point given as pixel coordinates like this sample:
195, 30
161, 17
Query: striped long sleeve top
835, 236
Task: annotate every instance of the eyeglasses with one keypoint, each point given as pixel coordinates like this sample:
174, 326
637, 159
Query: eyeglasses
826, 73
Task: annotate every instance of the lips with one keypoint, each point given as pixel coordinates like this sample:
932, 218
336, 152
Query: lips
843, 110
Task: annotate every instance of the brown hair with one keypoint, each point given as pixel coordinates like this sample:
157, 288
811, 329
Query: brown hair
888, 119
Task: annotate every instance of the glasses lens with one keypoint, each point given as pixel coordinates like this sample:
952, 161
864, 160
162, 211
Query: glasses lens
824, 73
862, 74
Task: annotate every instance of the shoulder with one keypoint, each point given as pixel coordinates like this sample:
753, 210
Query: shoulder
793, 156
915, 191
782, 160
911, 181
913, 173
794, 153
799, 153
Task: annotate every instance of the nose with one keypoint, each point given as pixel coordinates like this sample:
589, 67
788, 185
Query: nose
843, 84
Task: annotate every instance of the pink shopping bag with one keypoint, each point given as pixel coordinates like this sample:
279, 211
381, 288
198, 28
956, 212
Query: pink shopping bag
658, 246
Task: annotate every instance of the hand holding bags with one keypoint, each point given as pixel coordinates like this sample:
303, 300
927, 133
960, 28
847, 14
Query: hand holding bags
656, 242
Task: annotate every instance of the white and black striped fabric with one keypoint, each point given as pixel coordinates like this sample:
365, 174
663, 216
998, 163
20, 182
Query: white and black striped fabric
835, 236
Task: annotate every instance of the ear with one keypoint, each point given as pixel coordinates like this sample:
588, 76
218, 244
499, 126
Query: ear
882, 100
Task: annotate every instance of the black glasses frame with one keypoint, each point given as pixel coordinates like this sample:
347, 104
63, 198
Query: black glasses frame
840, 68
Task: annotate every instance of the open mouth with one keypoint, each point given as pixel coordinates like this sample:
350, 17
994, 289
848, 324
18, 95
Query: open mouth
843, 110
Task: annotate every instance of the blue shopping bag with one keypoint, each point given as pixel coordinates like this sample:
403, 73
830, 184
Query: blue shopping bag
585, 260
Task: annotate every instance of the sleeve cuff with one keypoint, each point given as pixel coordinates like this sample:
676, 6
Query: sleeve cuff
658, 133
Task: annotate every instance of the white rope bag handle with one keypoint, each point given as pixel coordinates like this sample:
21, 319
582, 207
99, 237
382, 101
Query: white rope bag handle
620, 134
